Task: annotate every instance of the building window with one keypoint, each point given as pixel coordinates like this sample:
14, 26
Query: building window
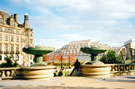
1, 19
17, 32
12, 57
17, 39
1, 29
78, 50
5, 57
23, 40
0, 37
71, 51
12, 48
17, 48
26, 40
26, 34
83, 45
6, 30
0, 47
6, 37
31, 57
12, 30
31, 41
6, 47
12, 38
31, 35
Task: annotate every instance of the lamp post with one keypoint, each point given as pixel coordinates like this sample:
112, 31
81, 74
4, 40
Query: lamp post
69, 61
61, 55
53, 57
61, 61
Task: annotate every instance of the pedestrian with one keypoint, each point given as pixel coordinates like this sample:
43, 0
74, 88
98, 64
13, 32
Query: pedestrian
77, 67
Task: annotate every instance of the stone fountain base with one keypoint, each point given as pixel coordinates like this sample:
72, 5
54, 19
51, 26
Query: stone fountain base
35, 72
96, 71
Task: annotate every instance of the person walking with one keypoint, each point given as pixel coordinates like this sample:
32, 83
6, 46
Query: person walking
77, 67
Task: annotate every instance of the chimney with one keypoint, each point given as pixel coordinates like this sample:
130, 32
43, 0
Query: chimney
15, 17
26, 21
26, 17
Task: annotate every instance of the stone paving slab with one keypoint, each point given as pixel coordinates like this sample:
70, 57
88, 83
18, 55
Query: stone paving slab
65, 83
128, 78
49, 87
20, 83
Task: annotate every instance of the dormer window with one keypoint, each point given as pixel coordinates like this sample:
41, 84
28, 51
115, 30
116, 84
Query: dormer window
1, 19
12, 23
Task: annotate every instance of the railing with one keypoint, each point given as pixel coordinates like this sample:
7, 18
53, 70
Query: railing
7, 73
122, 69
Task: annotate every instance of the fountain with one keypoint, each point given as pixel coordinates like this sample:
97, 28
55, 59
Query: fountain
38, 70
95, 68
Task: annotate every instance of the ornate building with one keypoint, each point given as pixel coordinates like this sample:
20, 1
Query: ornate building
13, 37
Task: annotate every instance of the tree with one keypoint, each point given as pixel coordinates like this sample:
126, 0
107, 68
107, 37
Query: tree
9, 63
111, 57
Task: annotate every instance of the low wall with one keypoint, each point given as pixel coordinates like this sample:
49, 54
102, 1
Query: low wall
122, 69
26, 72
8, 72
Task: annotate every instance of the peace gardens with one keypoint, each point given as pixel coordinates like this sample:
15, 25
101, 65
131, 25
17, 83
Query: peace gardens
81, 64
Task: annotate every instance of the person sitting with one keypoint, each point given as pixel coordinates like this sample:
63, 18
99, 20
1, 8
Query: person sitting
55, 73
60, 72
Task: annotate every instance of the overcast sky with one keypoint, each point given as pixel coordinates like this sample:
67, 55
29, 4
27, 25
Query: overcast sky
58, 22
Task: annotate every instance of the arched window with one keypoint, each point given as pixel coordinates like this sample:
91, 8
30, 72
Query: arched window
17, 57
12, 57
5, 57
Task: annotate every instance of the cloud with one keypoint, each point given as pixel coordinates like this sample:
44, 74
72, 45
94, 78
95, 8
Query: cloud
108, 21
16, 1
51, 42
74, 36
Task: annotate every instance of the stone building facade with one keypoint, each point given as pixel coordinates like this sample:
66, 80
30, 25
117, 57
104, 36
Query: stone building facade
13, 37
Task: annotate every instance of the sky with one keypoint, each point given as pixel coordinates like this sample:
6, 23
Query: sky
58, 22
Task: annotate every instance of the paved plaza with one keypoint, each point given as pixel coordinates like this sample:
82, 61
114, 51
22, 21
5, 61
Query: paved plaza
71, 83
